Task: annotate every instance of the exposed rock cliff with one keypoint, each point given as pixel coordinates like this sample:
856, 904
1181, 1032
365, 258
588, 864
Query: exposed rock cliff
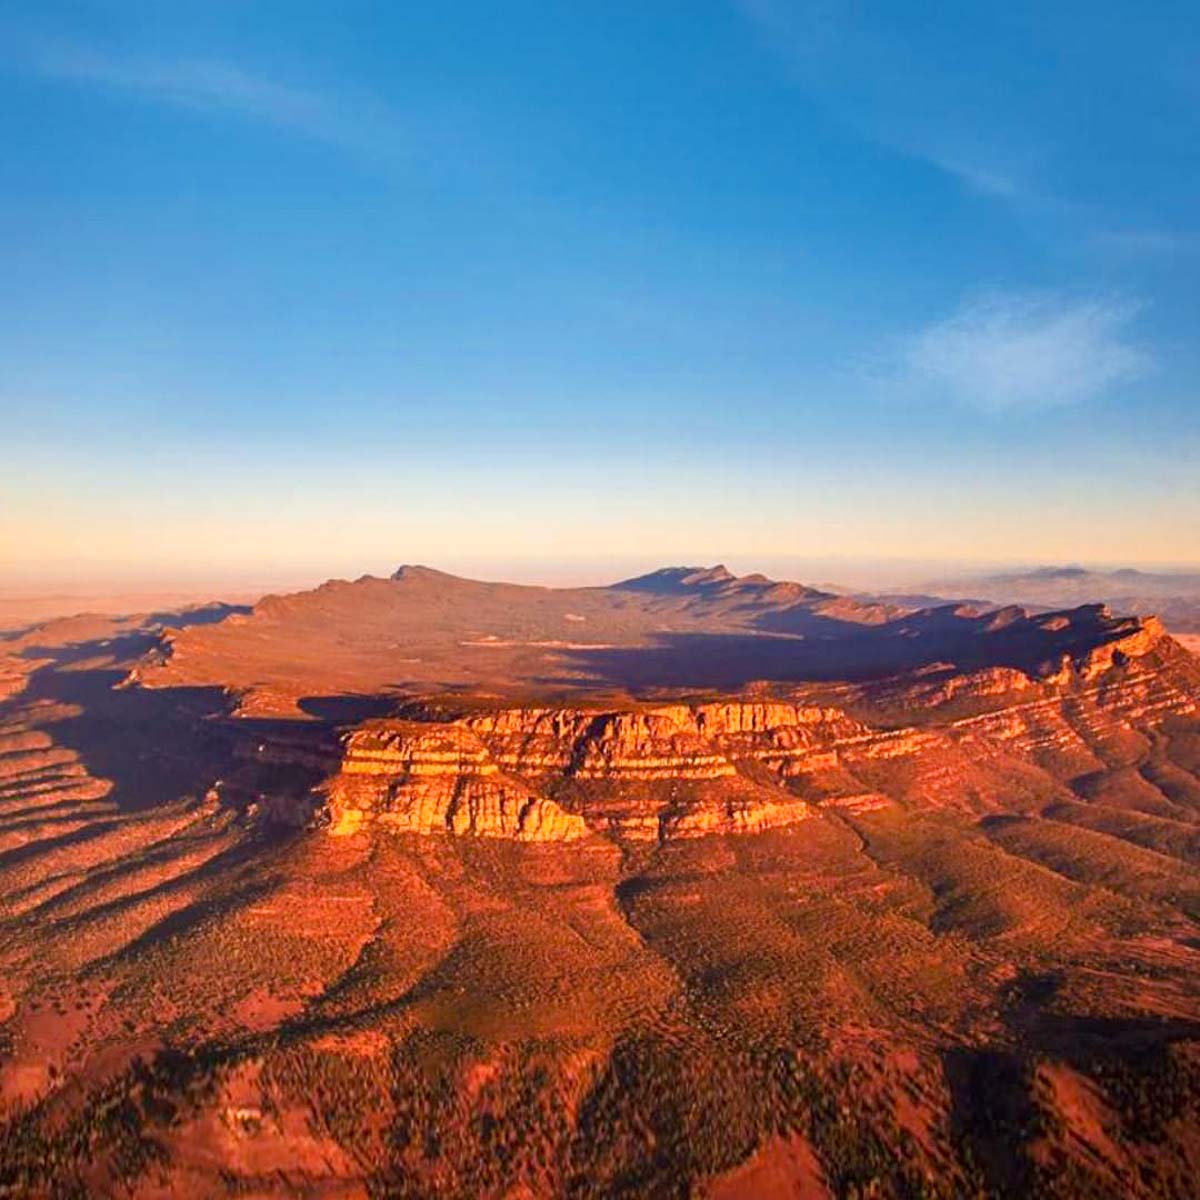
417, 777
659, 743
642, 774
995, 737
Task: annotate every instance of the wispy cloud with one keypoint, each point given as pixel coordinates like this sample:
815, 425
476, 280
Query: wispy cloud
987, 180
1005, 353
1014, 102
886, 88
358, 125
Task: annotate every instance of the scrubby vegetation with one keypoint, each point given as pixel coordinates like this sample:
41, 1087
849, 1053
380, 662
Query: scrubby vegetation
912, 1000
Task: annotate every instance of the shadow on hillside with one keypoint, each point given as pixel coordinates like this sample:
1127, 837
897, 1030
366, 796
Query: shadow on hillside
711, 660
55, 629
993, 1112
154, 746
811, 648
348, 710
994, 1093
209, 614
158, 746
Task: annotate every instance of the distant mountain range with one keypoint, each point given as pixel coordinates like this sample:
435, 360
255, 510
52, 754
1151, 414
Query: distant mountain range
1173, 596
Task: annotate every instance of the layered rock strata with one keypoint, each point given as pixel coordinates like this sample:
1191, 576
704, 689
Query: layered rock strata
641, 774
992, 738
414, 777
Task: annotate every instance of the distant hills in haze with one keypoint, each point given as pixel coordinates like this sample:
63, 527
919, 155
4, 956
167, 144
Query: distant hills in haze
1172, 595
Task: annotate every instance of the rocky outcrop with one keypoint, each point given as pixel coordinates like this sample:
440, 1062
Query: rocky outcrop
642, 774
994, 740
414, 777
991, 737
664, 742
659, 743
1134, 638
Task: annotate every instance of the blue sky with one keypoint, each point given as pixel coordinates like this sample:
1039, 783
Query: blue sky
303, 285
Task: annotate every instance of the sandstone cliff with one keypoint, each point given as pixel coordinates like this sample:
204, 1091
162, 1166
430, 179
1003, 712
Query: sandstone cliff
995, 737
649, 774
421, 778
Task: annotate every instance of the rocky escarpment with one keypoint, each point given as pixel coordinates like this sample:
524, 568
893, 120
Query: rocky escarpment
516, 772
414, 777
682, 742
1000, 739
996, 737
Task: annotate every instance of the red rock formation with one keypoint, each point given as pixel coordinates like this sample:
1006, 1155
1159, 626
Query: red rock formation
642, 774
993, 737
416, 777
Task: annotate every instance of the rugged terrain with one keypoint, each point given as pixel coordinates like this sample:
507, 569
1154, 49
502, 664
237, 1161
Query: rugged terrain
694, 884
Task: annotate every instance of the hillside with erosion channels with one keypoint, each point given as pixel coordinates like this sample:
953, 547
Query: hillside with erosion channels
692, 885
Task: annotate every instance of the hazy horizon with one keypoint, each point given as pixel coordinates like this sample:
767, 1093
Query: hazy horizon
567, 572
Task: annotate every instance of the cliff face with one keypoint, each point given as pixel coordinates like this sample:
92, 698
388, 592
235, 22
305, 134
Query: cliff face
641, 774
659, 743
415, 777
1000, 740
996, 737
669, 742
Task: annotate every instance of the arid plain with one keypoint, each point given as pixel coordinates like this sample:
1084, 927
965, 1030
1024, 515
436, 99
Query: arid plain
692, 885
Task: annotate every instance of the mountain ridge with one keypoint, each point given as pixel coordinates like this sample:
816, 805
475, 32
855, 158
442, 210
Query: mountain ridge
513, 723
423, 631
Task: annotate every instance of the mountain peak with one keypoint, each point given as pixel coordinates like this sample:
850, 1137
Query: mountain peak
1068, 572
676, 579
705, 575
408, 571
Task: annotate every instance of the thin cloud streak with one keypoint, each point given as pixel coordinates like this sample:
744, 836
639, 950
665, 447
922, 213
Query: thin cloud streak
1018, 353
932, 90
987, 181
364, 128
882, 89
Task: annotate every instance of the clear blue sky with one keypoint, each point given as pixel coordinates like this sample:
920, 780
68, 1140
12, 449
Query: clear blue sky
298, 284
